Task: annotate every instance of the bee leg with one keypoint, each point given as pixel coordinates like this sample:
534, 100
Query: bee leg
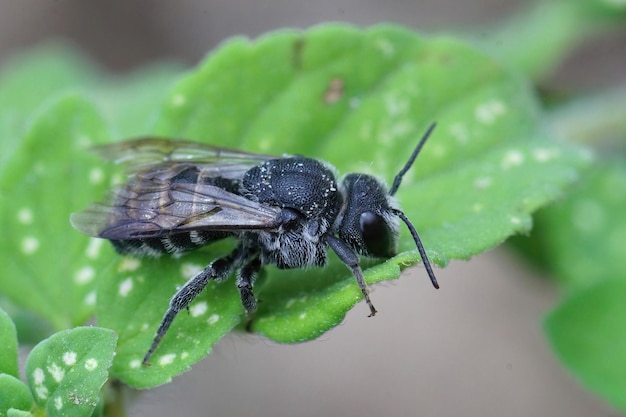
217, 270
351, 260
245, 281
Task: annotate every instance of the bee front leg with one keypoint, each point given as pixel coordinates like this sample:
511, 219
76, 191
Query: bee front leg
351, 260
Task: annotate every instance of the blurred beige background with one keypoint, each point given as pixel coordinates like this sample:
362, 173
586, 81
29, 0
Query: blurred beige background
473, 348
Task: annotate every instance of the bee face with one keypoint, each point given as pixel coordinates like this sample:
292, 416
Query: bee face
368, 225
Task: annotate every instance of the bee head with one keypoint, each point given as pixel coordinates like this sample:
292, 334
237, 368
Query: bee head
370, 221
368, 224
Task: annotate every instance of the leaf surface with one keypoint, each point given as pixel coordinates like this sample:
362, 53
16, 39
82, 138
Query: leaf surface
361, 100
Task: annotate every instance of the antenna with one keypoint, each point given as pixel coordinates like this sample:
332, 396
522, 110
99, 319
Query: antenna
399, 213
420, 247
398, 179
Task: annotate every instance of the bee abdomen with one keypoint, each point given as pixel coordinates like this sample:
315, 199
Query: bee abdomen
172, 243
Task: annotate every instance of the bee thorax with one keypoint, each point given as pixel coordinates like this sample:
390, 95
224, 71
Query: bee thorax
298, 247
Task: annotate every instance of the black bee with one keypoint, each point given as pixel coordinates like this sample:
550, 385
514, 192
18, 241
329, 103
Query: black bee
284, 211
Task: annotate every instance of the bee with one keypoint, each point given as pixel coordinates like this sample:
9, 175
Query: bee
284, 211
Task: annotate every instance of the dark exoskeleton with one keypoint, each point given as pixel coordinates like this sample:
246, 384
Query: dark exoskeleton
284, 211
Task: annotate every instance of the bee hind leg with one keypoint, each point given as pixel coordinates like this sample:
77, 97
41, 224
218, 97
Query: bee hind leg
217, 270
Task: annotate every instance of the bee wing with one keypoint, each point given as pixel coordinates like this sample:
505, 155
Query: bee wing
148, 208
154, 154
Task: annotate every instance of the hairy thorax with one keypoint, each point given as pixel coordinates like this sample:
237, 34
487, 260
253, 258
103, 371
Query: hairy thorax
297, 247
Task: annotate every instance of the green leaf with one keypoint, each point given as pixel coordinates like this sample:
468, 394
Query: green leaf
580, 240
538, 38
31, 327
8, 352
587, 332
360, 99
14, 395
66, 371
132, 300
130, 103
28, 80
299, 307
47, 267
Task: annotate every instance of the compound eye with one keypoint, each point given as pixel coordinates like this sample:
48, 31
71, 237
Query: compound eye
376, 234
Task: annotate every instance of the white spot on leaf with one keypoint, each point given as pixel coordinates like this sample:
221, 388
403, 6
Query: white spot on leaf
482, 182
96, 175
38, 376
56, 372
512, 159
302, 316
91, 364
125, 287
42, 392
490, 111
30, 245
69, 358
544, 155
188, 269
25, 216
58, 403
91, 298
128, 264
167, 359
93, 248
117, 179
459, 131
396, 106
213, 318
134, 364
84, 275
198, 309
